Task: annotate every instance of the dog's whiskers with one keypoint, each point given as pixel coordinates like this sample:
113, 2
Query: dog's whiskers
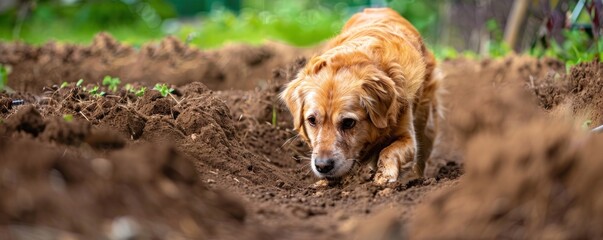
290, 140
309, 169
308, 172
304, 158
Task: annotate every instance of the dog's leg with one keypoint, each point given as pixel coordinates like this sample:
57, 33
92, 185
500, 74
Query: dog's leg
426, 123
400, 152
393, 157
427, 111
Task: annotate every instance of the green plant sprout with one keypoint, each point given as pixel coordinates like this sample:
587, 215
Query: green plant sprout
111, 82
79, 82
273, 115
129, 87
95, 92
3, 77
163, 89
140, 92
68, 117
64, 84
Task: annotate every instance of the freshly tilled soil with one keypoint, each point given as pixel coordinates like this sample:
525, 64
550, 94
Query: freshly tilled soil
217, 158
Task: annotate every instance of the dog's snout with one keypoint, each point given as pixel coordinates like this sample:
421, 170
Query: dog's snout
324, 165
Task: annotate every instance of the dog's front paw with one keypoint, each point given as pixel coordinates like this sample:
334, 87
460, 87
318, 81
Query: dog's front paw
391, 160
384, 176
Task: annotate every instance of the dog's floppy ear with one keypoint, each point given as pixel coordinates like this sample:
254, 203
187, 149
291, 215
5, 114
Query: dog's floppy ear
378, 97
316, 64
293, 96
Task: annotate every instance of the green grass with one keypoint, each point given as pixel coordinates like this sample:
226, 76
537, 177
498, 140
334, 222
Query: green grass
300, 23
79, 22
251, 26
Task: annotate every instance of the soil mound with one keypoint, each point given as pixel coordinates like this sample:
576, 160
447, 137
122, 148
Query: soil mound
464, 84
143, 191
585, 88
169, 61
577, 94
527, 174
179, 142
537, 179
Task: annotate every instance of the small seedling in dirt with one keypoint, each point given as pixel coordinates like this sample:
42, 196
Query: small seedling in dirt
129, 88
79, 83
111, 82
3, 77
273, 115
68, 117
64, 84
95, 92
140, 92
163, 89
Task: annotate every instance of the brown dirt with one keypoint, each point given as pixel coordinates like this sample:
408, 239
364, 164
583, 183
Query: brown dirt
61, 179
169, 61
205, 162
529, 174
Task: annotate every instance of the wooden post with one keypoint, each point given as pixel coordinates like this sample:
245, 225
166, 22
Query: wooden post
515, 20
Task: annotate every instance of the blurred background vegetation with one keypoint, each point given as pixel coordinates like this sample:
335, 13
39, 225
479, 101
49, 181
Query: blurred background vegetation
567, 29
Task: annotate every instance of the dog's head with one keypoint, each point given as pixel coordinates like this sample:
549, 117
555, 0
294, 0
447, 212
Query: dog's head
341, 106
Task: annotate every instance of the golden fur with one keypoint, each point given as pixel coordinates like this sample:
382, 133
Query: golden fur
371, 93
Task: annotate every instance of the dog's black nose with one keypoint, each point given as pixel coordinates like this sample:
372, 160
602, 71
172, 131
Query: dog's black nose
324, 165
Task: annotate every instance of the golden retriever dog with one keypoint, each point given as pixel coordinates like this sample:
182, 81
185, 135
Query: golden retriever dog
369, 98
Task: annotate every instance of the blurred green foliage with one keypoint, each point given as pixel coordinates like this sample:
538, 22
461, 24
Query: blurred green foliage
290, 22
446, 52
129, 21
576, 48
301, 23
496, 46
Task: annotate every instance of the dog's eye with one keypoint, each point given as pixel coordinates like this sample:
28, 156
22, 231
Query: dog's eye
348, 123
312, 121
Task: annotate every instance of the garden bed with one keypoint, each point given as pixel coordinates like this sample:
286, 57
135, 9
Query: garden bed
216, 158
